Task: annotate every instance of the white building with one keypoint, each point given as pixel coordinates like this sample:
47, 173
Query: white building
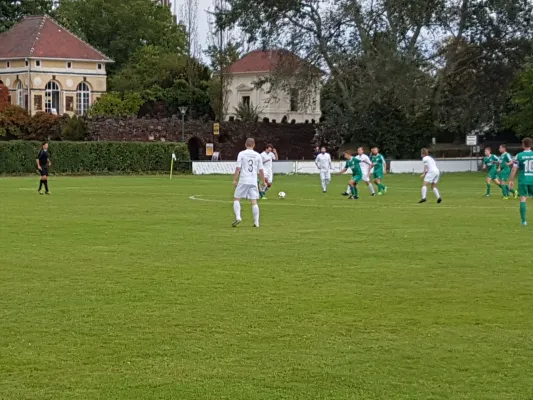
290, 103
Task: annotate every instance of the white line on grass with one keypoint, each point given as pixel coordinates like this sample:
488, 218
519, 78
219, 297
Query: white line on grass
358, 204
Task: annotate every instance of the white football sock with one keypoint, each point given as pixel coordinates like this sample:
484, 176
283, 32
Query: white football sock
255, 212
237, 210
371, 188
265, 189
436, 192
323, 185
424, 192
348, 190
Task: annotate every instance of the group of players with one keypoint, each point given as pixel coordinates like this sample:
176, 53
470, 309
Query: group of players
501, 171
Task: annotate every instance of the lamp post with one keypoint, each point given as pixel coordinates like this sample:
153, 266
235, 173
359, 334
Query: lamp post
183, 110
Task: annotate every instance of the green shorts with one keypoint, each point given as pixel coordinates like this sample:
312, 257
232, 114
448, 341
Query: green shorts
357, 178
525, 190
492, 175
378, 175
504, 175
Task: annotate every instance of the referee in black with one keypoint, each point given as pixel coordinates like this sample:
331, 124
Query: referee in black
43, 162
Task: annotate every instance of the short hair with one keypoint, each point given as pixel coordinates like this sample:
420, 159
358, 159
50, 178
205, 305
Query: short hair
323, 147
269, 146
425, 151
527, 142
504, 146
349, 152
250, 142
44, 143
375, 147
488, 148
361, 147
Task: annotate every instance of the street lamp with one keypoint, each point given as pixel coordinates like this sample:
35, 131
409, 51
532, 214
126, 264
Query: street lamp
183, 110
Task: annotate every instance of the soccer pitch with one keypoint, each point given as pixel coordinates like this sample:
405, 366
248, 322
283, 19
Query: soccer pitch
129, 288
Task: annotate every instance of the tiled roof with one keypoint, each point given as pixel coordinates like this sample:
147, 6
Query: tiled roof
43, 37
263, 61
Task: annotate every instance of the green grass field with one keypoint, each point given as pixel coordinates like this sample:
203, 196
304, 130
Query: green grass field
125, 288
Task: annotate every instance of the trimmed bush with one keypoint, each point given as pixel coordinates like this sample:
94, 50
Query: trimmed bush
18, 157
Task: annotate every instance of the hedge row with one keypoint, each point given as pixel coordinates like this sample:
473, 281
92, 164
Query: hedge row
18, 157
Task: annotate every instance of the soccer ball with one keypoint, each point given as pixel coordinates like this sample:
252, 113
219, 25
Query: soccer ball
281, 195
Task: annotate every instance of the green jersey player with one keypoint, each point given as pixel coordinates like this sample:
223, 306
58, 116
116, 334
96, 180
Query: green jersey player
380, 169
504, 170
491, 163
524, 168
354, 164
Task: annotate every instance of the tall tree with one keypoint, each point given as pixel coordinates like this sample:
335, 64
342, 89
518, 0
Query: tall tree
118, 28
222, 52
189, 20
11, 11
410, 57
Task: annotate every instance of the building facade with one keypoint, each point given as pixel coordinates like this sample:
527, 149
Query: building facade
288, 104
49, 69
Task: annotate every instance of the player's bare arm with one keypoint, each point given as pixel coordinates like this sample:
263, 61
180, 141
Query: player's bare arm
423, 175
343, 171
39, 165
236, 176
275, 154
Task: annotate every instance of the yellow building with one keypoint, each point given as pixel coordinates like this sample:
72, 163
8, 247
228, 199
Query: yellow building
47, 68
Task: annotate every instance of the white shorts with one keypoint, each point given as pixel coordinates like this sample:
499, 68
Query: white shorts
366, 176
243, 191
325, 175
269, 176
432, 177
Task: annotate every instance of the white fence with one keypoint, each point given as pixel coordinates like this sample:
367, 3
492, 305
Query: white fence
309, 167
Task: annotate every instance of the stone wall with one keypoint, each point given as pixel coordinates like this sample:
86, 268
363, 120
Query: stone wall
291, 141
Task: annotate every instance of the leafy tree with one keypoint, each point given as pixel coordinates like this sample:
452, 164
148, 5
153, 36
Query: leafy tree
13, 121
449, 62
247, 112
521, 117
118, 29
113, 104
11, 11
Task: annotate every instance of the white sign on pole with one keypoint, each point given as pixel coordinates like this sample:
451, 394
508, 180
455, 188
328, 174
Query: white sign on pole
471, 140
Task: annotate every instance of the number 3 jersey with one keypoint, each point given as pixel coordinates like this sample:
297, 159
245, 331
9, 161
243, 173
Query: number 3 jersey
250, 163
525, 167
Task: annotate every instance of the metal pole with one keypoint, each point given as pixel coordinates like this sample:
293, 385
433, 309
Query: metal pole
182, 127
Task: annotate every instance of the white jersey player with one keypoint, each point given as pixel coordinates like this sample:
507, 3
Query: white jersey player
431, 176
323, 163
366, 166
249, 165
268, 157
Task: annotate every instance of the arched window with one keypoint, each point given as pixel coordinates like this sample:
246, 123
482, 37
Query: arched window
52, 95
22, 96
83, 98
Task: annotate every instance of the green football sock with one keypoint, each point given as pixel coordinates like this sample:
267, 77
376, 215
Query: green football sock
523, 209
355, 191
502, 187
381, 187
510, 190
488, 188
507, 190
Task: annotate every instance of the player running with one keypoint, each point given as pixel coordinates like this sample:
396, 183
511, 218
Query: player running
431, 176
323, 163
249, 165
504, 170
354, 164
380, 169
43, 162
524, 166
365, 168
491, 163
270, 154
